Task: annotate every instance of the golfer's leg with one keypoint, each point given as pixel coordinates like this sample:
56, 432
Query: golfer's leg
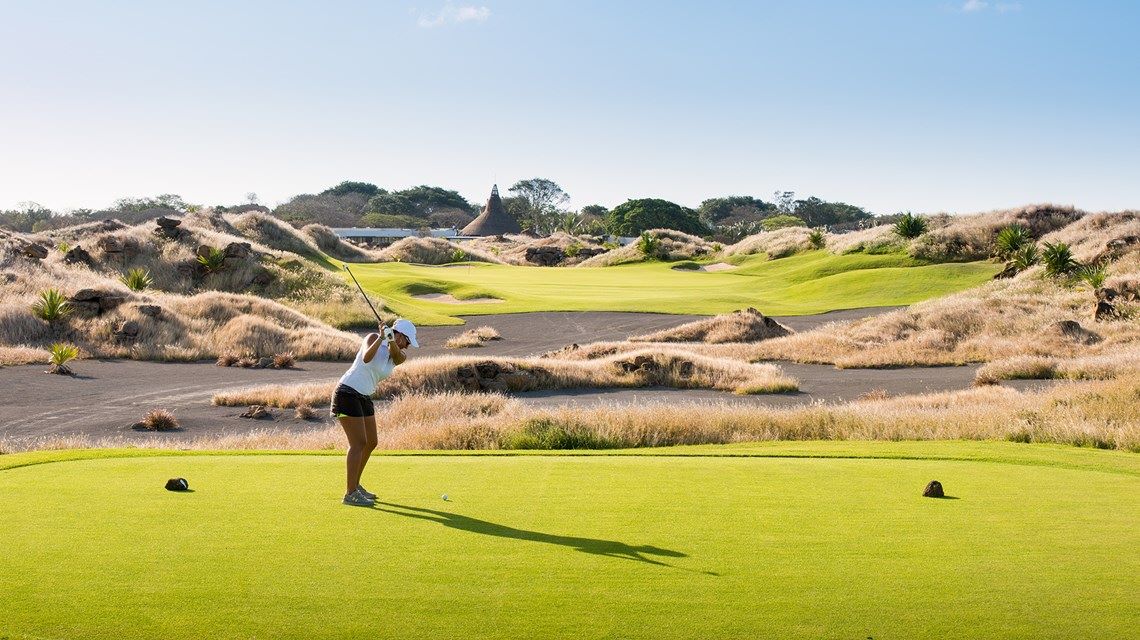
354, 431
370, 441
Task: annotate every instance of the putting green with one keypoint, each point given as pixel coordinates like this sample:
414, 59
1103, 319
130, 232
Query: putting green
691, 542
807, 283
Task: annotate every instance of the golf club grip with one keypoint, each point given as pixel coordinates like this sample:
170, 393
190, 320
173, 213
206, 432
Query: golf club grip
361, 289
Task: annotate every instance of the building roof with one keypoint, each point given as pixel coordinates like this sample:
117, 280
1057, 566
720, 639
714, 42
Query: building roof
494, 219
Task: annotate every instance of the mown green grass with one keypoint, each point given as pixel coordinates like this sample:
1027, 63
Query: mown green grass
812, 282
787, 540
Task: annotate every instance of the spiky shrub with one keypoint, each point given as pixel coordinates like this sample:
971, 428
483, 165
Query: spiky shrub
1010, 240
246, 362
160, 420
64, 246
213, 261
648, 244
816, 239
1093, 274
137, 279
573, 249
228, 359
1058, 259
459, 255
1025, 257
61, 354
284, 360
910, 226
51, 306
304, 412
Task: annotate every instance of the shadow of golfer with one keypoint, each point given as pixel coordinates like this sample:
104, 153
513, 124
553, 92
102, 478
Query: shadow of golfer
611, 548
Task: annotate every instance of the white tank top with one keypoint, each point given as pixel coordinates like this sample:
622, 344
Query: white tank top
365, 376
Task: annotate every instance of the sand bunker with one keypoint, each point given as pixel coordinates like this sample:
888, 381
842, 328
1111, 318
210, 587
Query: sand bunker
447, 298
720, 266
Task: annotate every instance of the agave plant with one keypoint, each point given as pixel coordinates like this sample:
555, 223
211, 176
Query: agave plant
816, 239
61, 354
1058, 259
1093, 274
1010, 240
64, 246
910, 226
136, 279
1025, 257
213, 261
648, 244
51, 306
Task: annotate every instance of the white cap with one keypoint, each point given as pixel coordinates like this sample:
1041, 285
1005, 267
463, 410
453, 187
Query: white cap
406, 327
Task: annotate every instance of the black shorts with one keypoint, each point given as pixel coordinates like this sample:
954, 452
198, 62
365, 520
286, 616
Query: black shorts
349, 402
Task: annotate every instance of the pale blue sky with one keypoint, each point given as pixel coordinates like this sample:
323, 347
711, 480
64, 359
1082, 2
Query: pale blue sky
939, 105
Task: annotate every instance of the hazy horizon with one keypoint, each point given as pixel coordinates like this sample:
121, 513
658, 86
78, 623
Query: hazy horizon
925, 105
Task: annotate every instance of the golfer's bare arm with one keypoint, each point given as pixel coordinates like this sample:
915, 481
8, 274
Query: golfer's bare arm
373, 345
394, 351
397, 353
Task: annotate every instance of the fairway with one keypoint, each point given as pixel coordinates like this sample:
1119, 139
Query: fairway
763, 540
813, 282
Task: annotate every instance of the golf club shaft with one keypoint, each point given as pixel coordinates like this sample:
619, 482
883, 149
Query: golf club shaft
378, 318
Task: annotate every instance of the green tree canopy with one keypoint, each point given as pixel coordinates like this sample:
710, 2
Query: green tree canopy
734, 209
818, 213
427, 200
392, 204
351, 186
634, 216
543, 200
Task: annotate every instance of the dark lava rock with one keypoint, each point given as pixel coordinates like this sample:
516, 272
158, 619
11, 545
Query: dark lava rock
78, 255
933, 490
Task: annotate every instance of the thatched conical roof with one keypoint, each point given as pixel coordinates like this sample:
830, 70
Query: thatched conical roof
494, 220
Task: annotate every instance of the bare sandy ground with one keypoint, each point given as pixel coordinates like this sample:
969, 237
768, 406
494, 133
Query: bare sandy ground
108, 396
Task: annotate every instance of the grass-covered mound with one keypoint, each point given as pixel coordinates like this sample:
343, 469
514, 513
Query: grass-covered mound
797, 543
812, 282
187, 290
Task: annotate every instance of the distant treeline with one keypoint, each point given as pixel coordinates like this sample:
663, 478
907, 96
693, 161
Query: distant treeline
538, 204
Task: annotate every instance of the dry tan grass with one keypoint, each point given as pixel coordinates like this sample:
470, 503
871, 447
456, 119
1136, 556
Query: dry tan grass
333, 245
971, 237
514, 251
17, 355
1099, 414
775, 244
473, 338
1088, 237
674, 368
188, 327
1120, 363
998, 320
672, 246
434, 251
747, 325
880, 239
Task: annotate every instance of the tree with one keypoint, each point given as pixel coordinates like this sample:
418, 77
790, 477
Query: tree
734, 209
329, 210
785, 201
428, 200
348, 186
635, 216
393, 204
543, 199
168, 201
595, 210
251, 197
816, 212
25, 217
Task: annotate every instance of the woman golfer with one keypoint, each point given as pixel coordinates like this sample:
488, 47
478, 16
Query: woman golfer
378, 355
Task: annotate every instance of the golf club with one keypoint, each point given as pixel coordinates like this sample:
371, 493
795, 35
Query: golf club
378, 318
